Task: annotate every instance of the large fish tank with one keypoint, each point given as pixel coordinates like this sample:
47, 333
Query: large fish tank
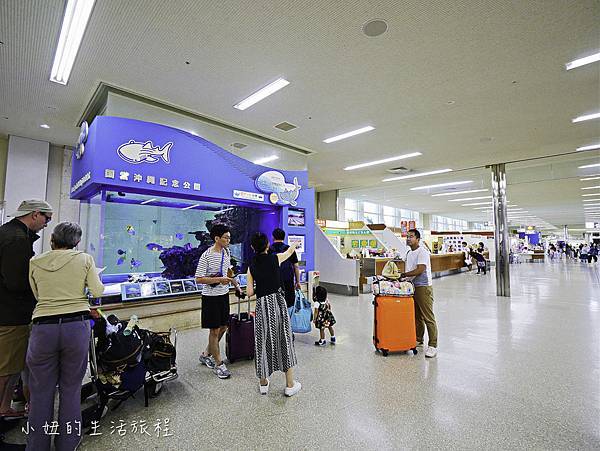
127, 232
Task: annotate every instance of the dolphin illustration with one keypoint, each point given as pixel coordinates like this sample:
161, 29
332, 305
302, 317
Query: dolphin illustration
137, 152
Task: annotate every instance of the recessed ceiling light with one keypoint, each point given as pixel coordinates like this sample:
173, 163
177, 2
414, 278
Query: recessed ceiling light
591, 187
589, 166
375, 27
583, 61
148, 201
464, 199
358, 131
266, 159
590, 147
75, 20
586, 117
385, 160
441, 185
44, 126
421, 174
460, 192
259, 95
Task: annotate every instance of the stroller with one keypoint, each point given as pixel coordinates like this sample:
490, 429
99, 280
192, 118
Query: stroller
124, 358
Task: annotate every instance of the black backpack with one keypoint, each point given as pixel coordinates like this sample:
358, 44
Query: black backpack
159, 353
117, 351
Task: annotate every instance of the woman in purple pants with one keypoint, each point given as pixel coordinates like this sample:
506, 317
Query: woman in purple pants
59, 341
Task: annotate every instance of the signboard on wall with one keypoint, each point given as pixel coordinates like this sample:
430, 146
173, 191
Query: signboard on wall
403, 228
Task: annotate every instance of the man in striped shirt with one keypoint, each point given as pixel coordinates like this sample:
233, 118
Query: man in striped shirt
212, 272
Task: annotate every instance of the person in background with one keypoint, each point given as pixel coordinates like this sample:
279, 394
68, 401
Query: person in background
583, 254
58, 346
213, 272
323, 315
481, 247
593, 253
418, 268
274, 349
289, 272
481, 263
467, 256
16, 298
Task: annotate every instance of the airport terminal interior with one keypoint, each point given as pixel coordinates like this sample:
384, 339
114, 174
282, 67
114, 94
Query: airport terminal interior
299, 225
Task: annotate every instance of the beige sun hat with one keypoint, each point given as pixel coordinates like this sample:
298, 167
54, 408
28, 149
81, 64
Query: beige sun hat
31, 205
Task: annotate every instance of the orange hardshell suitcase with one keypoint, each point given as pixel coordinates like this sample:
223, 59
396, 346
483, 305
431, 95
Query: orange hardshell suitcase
394, 325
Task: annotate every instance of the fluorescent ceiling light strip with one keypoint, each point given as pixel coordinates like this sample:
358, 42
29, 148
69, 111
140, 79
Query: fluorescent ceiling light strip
475, 203
583, 61
588, 195
385, 160
191, 206
148, 201
464, 199
591, 187
591, 200
587, 179
586, 117
266, 159
595, 165
75, 20
591, 205
590, 147
350, 134
259, 95
420, 174
441, 185
460, 192
483, 208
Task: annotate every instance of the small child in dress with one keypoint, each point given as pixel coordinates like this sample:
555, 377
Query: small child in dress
323, 315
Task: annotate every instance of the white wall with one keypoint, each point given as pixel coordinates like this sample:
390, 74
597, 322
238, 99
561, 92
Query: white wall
26, 174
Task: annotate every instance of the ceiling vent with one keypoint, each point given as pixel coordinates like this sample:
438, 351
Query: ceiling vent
239, 146
285, 126
399, 170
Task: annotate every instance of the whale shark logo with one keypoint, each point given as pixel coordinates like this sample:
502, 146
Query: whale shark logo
274, 182
138, 152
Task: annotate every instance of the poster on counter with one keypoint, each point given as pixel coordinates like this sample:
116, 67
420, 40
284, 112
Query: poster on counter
364, 243
297, 239
372, 243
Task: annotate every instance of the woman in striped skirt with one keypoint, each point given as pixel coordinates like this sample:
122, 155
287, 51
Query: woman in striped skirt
273, 335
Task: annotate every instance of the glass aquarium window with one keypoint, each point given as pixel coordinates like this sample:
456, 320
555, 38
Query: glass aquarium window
139, 229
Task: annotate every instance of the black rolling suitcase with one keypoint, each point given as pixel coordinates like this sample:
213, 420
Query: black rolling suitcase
239, 340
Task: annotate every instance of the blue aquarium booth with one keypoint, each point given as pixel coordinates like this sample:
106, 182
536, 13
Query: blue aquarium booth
149, 195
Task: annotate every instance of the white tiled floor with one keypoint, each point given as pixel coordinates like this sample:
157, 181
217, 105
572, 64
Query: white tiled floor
511, 373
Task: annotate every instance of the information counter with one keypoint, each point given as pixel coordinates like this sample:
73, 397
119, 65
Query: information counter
441, 265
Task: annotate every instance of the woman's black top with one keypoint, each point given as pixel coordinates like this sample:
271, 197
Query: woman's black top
265, 271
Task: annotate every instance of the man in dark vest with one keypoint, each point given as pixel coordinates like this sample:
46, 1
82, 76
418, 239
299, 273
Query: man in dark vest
16, 298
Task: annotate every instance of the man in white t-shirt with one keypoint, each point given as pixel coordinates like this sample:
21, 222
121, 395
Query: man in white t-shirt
418, 268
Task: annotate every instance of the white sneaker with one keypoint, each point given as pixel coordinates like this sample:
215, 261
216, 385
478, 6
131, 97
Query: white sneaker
431, 352
264, 389
292, 391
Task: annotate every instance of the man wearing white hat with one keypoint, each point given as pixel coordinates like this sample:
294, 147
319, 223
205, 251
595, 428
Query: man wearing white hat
16, 298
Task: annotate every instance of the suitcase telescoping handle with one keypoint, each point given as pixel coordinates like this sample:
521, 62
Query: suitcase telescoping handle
240, 307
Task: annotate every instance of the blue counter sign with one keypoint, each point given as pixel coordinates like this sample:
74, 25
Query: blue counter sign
274, 184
